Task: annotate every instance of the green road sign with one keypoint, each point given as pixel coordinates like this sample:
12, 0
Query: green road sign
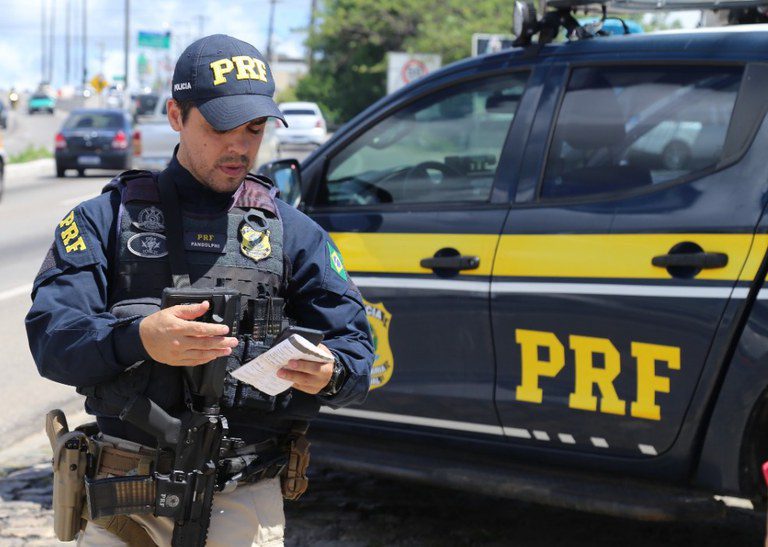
158, 40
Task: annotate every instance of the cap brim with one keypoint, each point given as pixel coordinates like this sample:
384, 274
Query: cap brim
225, 113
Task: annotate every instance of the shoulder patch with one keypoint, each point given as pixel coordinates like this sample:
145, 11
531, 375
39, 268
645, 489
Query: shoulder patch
73, 244
335, 261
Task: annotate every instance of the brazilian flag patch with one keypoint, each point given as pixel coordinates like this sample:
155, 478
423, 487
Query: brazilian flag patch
337, 265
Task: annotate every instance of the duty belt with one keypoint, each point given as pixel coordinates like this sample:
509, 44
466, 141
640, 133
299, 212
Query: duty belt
135, 493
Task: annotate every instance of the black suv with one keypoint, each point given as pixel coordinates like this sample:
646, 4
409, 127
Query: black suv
562, 248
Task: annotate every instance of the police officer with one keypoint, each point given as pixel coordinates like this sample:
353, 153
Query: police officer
95, 310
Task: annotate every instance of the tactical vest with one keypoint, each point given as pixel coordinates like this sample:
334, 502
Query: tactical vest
241, 248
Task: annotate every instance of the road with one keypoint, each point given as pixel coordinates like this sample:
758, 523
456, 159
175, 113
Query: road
340, 509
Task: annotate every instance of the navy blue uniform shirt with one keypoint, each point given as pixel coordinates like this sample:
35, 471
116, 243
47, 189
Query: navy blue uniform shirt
74, 339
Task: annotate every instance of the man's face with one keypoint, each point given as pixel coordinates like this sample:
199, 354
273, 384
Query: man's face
218, 159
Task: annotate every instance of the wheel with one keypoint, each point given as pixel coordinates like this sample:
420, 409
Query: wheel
81, 172
60, 171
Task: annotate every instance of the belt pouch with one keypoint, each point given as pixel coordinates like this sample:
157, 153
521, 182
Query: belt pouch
120, 496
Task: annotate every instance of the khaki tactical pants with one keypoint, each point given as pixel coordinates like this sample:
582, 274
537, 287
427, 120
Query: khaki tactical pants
251, 515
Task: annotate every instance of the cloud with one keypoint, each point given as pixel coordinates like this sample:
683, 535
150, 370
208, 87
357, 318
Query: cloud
247, 20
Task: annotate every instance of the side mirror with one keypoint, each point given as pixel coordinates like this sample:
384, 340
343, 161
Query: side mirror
286, 174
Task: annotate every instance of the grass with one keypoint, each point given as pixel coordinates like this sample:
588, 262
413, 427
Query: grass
30, 153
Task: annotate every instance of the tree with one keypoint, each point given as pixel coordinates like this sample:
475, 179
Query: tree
355, 36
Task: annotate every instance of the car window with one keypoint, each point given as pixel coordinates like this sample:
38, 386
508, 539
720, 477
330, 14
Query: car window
442, 148
94, 121
621, 128
299, 113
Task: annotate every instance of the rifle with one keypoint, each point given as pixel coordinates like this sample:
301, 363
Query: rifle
192, 443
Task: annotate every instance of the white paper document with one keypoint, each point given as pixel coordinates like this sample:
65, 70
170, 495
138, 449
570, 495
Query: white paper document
261, 372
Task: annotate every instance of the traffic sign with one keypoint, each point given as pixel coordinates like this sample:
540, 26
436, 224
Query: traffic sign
99, 83
157, 40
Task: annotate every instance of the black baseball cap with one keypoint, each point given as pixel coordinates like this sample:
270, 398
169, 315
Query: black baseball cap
229, 81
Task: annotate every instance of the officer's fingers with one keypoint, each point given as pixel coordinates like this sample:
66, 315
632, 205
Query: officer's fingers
196, 328
194, 357
311, 367
210, 342
189, 311
298, 378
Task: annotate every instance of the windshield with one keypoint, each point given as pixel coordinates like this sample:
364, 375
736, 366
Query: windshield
94, 121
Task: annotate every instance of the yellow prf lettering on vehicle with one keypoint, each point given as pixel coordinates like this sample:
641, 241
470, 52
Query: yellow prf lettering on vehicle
220, 68
588, 376
595, 386
71, 237
533, 368
648, 382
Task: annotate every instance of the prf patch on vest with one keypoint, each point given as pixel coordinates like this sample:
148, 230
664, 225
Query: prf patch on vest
69, 234
248, 68
254, 243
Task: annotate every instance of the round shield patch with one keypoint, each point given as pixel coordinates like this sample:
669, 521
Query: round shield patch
148, 245
150, 219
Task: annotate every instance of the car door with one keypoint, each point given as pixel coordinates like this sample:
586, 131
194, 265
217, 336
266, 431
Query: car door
415, 197
621, 253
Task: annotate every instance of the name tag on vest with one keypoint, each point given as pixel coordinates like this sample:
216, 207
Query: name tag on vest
208, 242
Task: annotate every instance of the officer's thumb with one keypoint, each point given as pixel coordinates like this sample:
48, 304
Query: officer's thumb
190, 311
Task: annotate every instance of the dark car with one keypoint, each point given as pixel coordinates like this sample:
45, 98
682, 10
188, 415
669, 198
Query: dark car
94, 139
144, 104
3, 116
561, 313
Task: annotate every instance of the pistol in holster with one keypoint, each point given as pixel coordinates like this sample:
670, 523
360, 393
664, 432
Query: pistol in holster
293, 480
70, 464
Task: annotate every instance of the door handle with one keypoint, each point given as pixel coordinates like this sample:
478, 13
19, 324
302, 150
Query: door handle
701, 260
457, 263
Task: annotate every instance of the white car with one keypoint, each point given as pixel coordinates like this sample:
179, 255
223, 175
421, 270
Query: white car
306, 124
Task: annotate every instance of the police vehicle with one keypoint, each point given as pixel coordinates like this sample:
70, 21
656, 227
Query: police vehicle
562, 249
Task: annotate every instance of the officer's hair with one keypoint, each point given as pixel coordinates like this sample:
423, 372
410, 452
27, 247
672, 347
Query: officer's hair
185, 106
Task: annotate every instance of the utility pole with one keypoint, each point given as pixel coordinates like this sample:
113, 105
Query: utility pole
271, 29
67, 40
127, 42
43, 16
85, 43
312, 19
200, 25
52, 42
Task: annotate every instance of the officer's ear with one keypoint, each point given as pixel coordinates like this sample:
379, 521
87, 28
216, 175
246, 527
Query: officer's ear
175, 117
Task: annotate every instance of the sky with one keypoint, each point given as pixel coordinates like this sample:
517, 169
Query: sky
20, 33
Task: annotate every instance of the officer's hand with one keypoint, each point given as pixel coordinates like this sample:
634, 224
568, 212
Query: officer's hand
171, 337
308, 376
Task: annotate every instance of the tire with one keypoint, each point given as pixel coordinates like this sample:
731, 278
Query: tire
81, 172
60, 171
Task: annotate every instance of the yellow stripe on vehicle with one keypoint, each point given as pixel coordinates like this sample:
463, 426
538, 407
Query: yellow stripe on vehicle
614, 255
606, 256
401, 253
756, 254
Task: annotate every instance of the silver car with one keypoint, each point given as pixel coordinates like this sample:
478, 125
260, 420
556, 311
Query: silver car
306, 124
